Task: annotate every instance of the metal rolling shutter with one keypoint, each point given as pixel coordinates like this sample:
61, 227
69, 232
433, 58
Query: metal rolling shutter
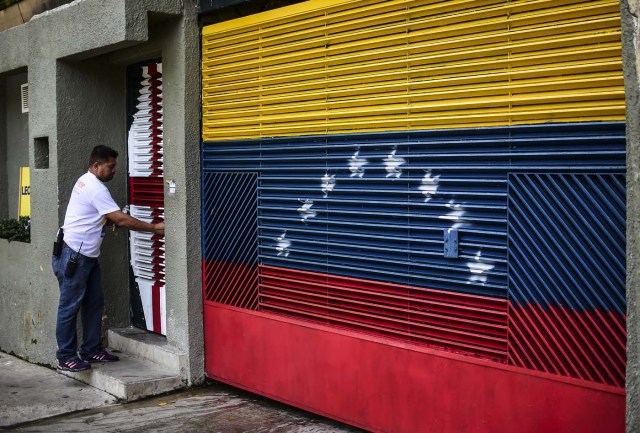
373, 127
368, 253
567, 255
346, 66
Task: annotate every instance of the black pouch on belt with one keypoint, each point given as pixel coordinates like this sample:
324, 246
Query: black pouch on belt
57, 245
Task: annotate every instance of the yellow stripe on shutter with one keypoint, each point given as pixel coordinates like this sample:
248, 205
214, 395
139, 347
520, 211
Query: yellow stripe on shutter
325, 67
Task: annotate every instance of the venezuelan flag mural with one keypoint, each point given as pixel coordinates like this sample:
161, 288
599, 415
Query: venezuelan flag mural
414, 212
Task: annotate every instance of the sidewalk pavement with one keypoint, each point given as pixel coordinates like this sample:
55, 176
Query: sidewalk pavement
30, 392
38, 399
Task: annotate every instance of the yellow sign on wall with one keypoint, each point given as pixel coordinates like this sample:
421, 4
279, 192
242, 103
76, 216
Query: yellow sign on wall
24, 200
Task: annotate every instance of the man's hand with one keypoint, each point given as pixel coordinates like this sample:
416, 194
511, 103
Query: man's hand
158, 229
121, 219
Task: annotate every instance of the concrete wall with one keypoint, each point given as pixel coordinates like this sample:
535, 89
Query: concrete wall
17, 140
630, 10
76, 57
26, 304
3, 150
22, 318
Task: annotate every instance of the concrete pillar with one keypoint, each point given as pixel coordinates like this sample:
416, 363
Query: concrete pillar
630, 11
181, 85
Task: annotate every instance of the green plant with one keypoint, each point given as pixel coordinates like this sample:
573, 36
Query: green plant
16, 229
6, 3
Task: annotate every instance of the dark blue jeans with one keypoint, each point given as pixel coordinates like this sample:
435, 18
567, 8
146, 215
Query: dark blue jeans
81, 293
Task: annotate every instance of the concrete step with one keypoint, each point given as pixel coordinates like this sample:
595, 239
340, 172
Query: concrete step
149, 346
131, 378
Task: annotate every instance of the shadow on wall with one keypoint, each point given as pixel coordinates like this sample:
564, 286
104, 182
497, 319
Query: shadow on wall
230, 9
14, 150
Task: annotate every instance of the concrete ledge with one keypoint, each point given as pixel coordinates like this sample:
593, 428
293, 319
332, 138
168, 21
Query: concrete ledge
13, 58
129, 379
150, 346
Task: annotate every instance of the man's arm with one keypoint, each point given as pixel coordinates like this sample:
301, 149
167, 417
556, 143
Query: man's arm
121, 219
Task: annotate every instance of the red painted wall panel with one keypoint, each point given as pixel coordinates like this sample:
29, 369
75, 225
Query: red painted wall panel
389, 386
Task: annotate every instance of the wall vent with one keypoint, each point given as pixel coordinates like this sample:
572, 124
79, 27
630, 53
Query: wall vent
24, 97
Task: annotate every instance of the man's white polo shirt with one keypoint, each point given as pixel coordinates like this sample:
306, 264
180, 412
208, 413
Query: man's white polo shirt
85, 218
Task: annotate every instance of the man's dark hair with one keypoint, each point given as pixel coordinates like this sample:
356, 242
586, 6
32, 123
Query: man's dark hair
102, 153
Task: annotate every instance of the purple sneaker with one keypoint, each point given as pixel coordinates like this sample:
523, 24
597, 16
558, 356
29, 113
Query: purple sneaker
102, 356
74, 365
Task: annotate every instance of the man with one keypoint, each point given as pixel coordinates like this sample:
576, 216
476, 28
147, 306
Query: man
75, 265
